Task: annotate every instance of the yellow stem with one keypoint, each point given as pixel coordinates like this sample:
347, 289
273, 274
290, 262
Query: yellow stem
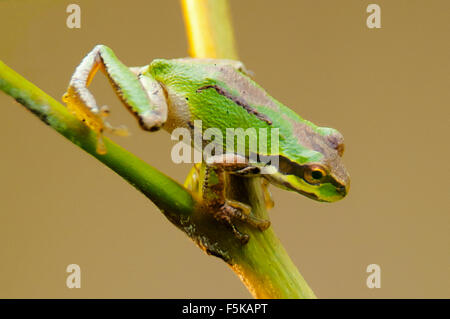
207, 37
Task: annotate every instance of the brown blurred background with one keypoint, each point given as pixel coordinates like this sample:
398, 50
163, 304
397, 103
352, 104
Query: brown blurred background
386, 90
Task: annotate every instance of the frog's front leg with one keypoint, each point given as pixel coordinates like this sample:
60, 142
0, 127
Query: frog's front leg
141, 94
225, 210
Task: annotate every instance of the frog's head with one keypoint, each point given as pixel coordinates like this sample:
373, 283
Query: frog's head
322, 176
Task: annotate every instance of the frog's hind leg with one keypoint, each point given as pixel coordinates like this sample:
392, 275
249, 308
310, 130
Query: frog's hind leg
141, 94
214, 194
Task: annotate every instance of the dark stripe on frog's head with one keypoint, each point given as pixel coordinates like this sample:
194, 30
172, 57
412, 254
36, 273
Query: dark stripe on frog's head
320, 139
326, 141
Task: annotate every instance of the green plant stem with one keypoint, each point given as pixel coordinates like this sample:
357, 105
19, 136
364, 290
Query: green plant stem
263, 264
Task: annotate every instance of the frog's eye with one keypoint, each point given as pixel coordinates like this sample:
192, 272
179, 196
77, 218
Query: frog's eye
314, 174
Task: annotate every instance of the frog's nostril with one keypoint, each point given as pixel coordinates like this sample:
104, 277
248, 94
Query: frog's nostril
342, 190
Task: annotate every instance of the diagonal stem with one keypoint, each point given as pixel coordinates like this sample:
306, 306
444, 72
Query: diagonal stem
166, 193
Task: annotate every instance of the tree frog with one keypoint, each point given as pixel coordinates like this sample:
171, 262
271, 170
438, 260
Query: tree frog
222, 94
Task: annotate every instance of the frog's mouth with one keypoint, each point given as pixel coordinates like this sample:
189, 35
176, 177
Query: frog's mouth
289, 182
325, 192
309, 195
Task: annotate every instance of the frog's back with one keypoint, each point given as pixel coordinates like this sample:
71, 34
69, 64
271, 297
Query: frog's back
219, 94
222, 96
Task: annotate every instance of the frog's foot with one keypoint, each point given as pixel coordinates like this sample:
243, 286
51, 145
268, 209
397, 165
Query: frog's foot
245, 215
94, 118
234, 210
142, 95
90, 116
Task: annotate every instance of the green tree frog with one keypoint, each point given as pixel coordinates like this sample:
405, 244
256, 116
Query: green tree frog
175, 93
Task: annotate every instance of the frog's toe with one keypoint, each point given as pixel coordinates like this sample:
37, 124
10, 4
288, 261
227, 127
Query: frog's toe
247, 210
120, 130
101, 148
243, 213
233, 210
244, 239
225, 215
104, 110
